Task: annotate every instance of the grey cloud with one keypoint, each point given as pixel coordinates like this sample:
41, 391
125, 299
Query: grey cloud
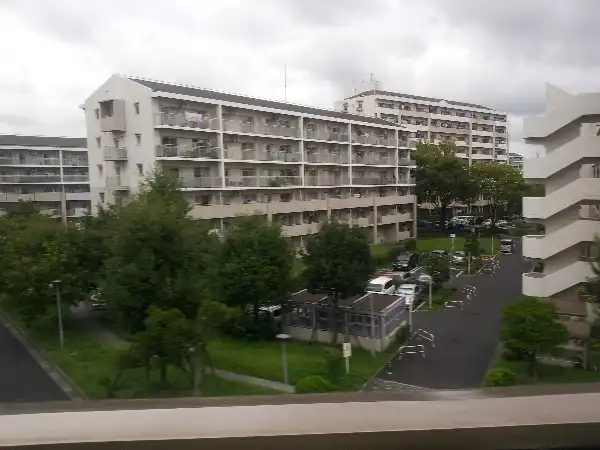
13, 120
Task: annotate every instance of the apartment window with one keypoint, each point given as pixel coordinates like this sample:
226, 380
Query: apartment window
98, 142
97, 112
140, 169
596, 171
138, 139
359, 105
106, 108
101, 197
136, 107
345, 107
100, 170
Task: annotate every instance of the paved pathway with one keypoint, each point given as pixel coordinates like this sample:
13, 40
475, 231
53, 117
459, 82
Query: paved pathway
22, 379
465, 340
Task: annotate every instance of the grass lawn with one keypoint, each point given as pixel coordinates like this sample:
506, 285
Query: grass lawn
427, 244
263, 359
548, 374
88, 361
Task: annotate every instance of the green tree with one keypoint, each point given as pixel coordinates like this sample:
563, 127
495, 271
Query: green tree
166, 339
500, 377
530, 327
254, 267
157, 255
472, 246
338, 262
22, 208
594, 282
34, 252
443, 179
438, 267
514, 204
498, 183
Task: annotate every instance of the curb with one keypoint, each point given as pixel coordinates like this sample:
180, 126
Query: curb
52, 369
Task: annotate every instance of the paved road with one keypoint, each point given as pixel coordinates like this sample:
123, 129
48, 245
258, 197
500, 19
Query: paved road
465, 339
21, 377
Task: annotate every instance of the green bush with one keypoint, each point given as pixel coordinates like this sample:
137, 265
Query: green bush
500, 377
335, 364
402, 335
312, 385
409, 245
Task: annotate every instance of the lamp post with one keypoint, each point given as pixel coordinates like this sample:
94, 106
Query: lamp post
61, 332
284, 338
429, 280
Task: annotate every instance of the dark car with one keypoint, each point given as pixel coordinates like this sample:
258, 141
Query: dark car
405, 262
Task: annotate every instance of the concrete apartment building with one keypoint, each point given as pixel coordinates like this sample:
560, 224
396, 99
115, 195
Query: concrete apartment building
236, 155
515, 160
52, 172
479, 133
570, 173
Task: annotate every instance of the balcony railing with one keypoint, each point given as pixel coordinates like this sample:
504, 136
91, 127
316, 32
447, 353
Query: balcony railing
327, 158
407, 143
117, 183
187, 151
115, 153
262, 181
368, 181
187, 120
407, 162
29, 162
326, 180
76, 178
373, 160
280, 156
75, 162
41, 178
258, 128
200, 182
373, 140
324, 135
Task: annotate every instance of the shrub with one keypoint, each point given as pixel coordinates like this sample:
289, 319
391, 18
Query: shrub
409, 245
335, 364
402, 335
312, 385
243, 326
500, 377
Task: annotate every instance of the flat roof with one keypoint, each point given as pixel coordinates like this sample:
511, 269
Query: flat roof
192, 91
19, 140
379, 302
307, 298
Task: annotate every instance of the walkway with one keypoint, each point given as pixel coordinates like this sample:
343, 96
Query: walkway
465, 340
87, 318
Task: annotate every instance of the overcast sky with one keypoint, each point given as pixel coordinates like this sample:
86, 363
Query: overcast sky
500, 54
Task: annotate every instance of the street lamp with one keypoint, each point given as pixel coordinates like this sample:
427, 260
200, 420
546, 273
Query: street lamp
284, 338
61, 332
429, 280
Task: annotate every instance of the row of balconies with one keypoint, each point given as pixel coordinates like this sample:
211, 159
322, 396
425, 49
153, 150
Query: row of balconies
45, 178
42, 162
44, 197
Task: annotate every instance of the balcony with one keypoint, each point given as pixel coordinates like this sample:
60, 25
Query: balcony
117, 183
187, 152
325, 135
75, 162
373, 140
29, 162
394, 218
481, 156
239, 126
548, 284
302, 229
324, 180
373, 160
372, 181
200, 182
35, 197
115, 153
408, 143
187, 120
262, 181
81, 196
407, 162
76, 178
30, 179
327, 158
278, 157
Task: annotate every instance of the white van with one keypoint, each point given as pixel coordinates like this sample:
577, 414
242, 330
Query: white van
381, 285
506, 245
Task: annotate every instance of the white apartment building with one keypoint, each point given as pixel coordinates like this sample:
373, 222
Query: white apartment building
52, 172
515, 160
236, 155
570, 173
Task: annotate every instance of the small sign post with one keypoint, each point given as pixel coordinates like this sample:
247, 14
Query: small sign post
347, 353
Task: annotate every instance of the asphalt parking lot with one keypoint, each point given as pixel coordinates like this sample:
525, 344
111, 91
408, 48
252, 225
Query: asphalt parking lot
21, 377
465, 339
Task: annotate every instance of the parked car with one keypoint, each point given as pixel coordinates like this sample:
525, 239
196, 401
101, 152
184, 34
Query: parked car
406, 262
381, 285
507, 245
459, 257
413, 292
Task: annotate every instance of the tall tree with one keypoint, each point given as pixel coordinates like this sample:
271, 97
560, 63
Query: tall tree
498, 183
443, 179
254, 267
338, 262
157, 255
530, 327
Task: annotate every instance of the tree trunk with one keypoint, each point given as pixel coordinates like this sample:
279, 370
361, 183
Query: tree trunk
332, 322
163, 372
443, 215
256, 311
532, 364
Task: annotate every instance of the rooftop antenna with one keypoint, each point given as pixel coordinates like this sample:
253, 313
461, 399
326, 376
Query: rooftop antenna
285, 82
